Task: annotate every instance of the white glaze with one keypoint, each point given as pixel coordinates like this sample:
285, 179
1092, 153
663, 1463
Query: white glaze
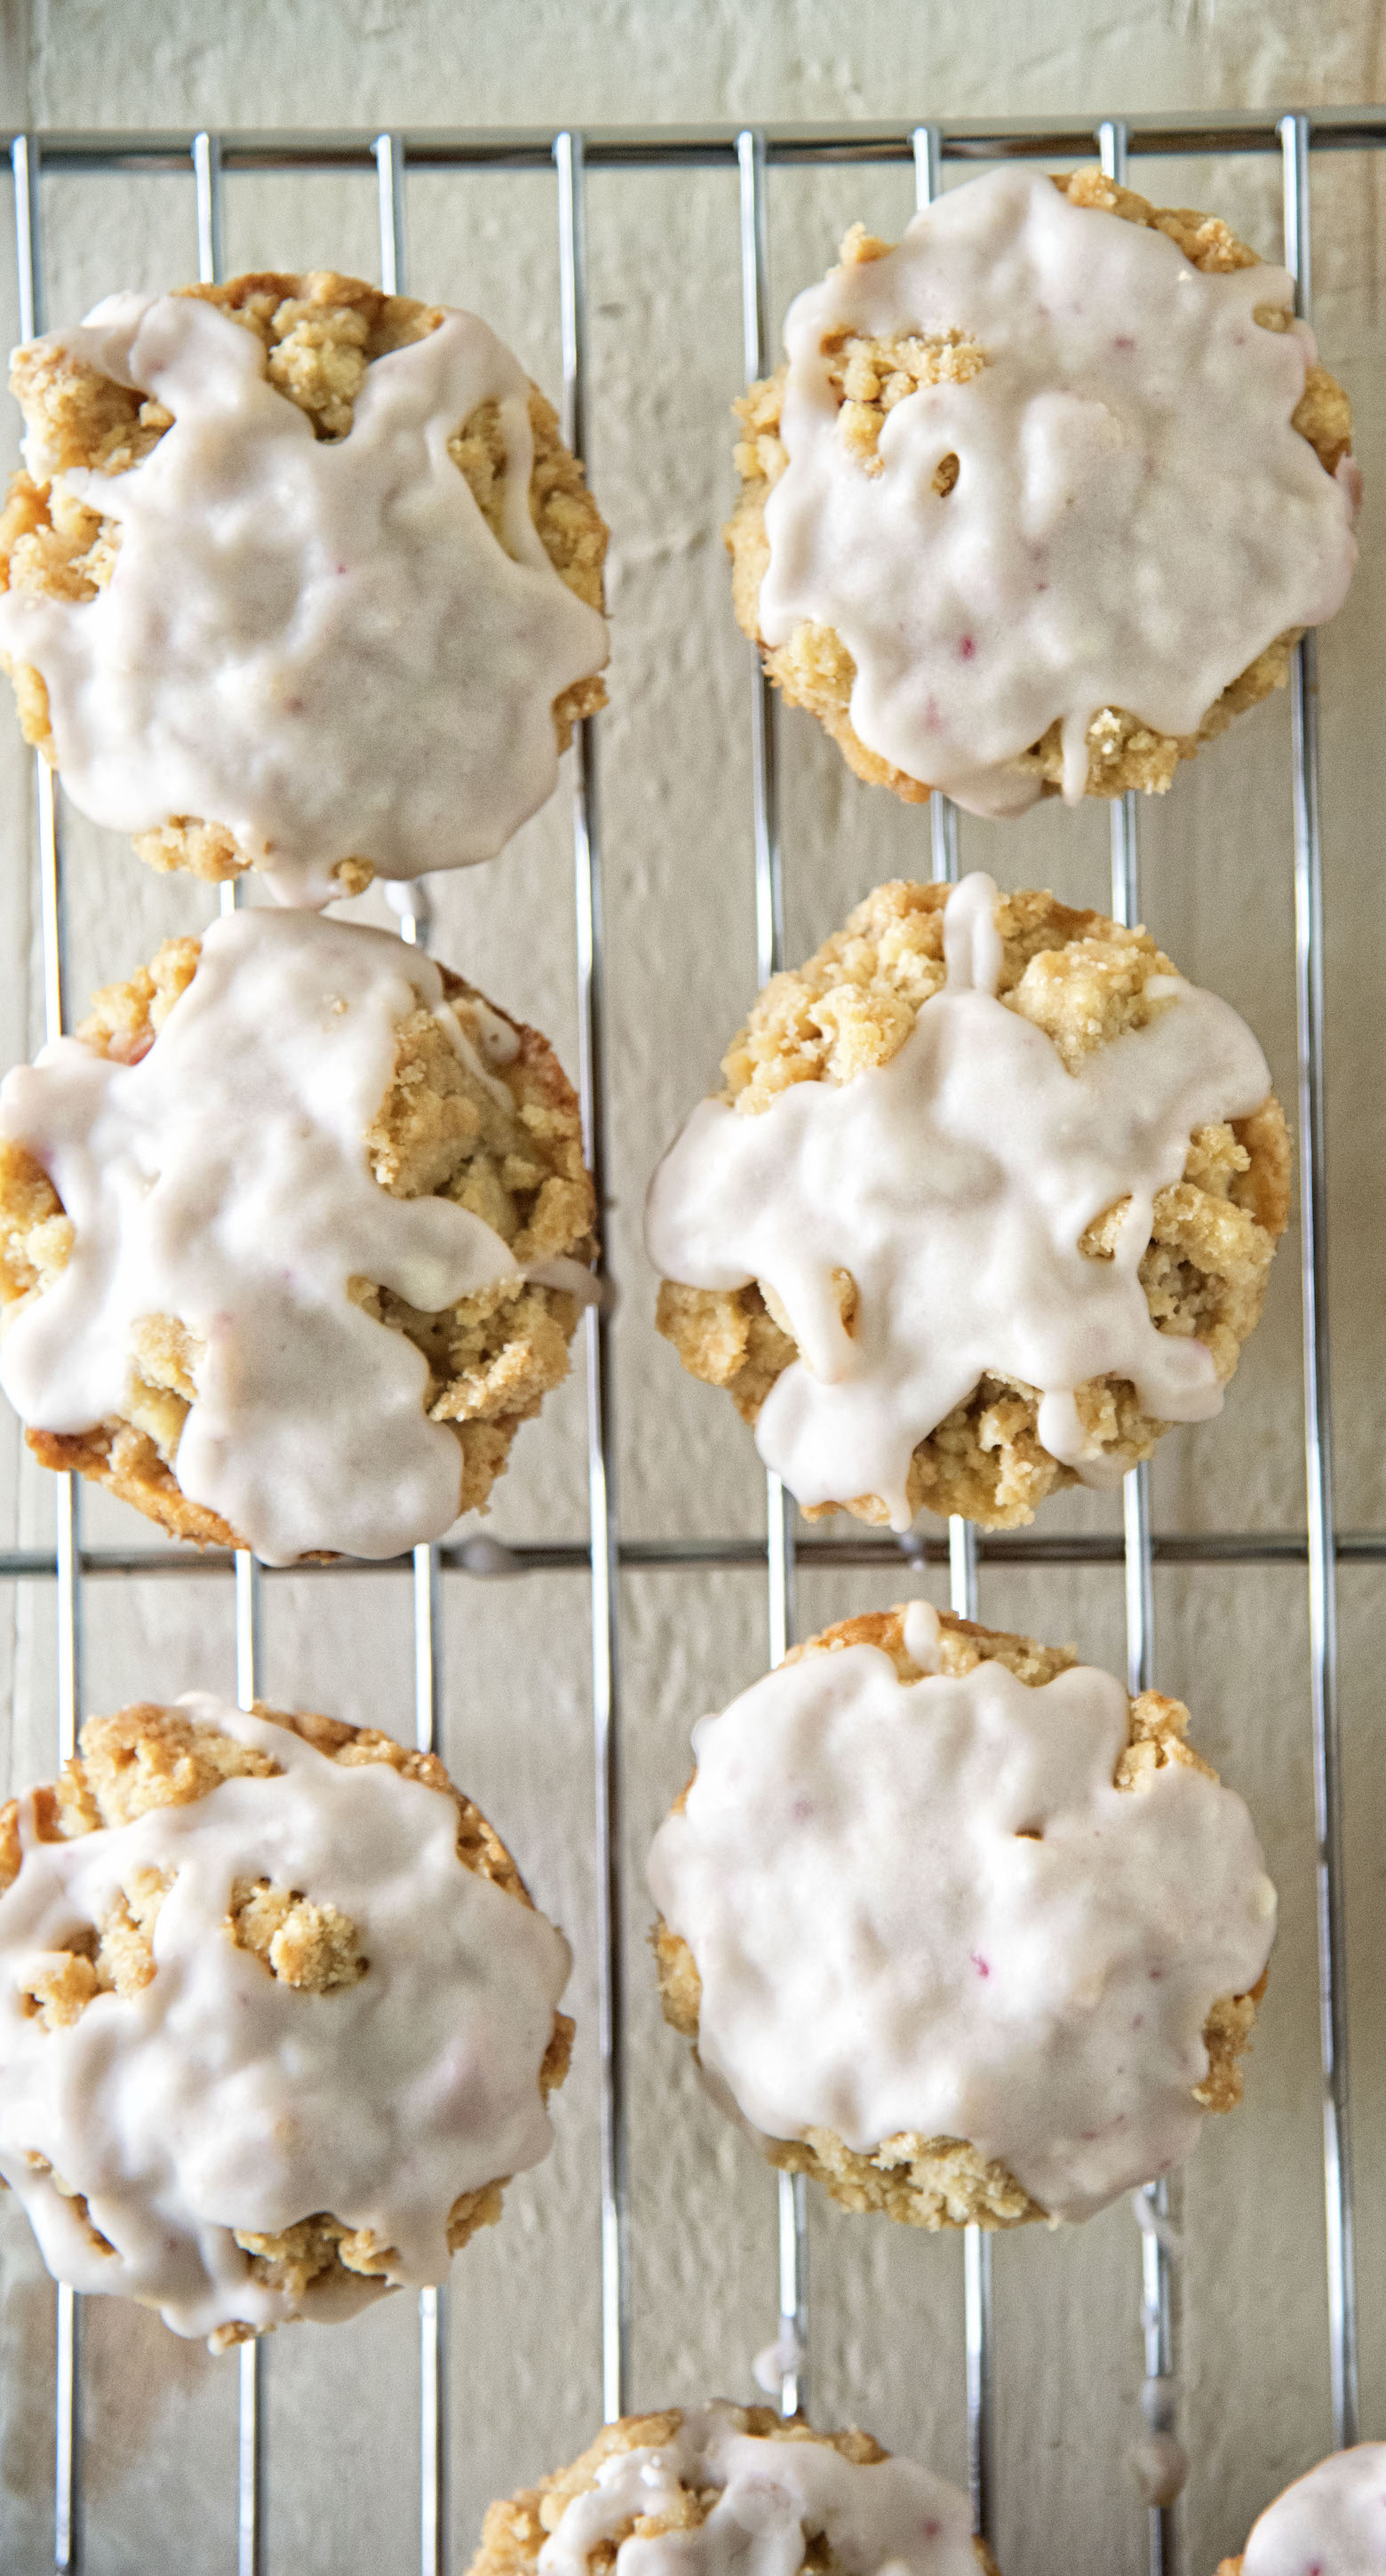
224, 1180
220, 2098
883, 1949
954, 1184
316, 643
771, 2496
1330, 2523
1134, 519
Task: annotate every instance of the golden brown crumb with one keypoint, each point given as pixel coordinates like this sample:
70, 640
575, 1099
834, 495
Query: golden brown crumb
151, 1755
439, 1132
947, 2182
1082, 979
814, 669
516, 2528
320, 332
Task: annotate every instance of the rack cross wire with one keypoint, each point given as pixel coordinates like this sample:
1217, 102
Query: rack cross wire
749, 155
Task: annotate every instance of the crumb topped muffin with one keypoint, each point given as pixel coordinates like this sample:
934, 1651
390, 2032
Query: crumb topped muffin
428, 746
400, 1231
1085, 989
948, 1917
287, 2050
759, 2494
968, 593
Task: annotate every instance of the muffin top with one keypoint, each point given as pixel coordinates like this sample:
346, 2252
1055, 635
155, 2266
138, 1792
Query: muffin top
295, 623
1330, 2523
942, 1904
1033, 463
760, 2496
253, 1969
237, 1201
980, 1200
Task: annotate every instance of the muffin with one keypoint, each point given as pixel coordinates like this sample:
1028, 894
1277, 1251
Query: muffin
298, 576
293, 1236
988, 1202
1330, 2523
1043, 496
795, 2499
277, 2016
958, 1927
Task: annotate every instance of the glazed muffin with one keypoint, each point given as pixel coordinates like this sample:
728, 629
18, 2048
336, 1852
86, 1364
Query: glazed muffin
957, 1927
1042, 497
773, 2495
236, 2084
300, 576
988, 1201
294, 1235
1332, 2522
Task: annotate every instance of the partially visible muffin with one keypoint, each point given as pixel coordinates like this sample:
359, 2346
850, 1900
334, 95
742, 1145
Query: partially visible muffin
1331, 2522
474, 1112
932, 342
1024, 1966
1087, 983
826, 2502
322, 336
237, 2085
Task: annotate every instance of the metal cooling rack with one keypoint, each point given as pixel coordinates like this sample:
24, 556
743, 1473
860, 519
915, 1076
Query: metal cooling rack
749, 157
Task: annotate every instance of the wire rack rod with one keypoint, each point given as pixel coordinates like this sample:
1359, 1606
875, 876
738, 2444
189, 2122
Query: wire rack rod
415, 911
966, 139
1295, 140
251, 2445
568, 156
978, 2338
770, 953
495, 1560
67, 1538
926, 151
206, 159
1157, 2304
